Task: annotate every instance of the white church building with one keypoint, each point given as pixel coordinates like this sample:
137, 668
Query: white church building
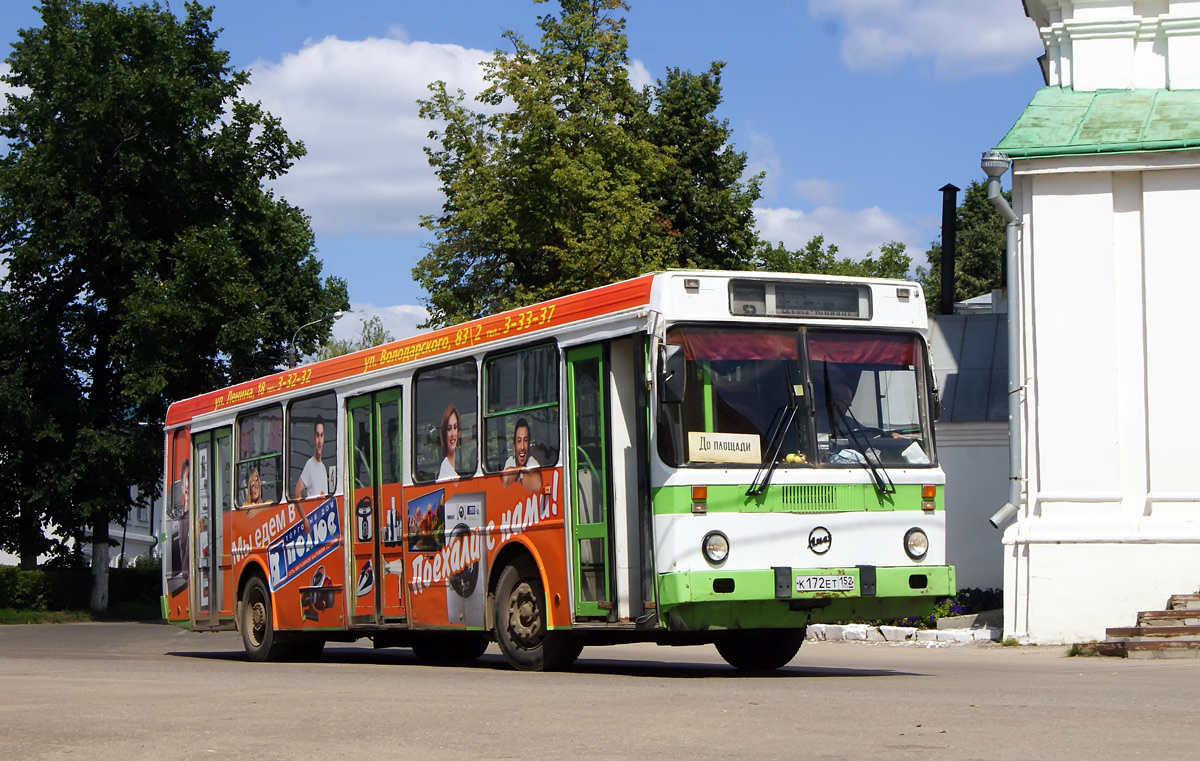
1106, 194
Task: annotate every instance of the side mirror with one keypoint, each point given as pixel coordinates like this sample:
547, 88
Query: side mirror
935, 397
671, 373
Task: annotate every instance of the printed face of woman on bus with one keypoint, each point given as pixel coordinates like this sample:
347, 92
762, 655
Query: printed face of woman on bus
253, 488
450, 435
185, 484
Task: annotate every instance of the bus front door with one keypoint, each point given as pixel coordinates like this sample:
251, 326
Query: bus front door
589, 477
375, 505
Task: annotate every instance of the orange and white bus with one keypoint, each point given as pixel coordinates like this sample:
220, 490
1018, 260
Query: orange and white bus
687, 457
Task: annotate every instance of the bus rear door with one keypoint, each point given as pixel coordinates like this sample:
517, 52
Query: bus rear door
375, 508
213, 484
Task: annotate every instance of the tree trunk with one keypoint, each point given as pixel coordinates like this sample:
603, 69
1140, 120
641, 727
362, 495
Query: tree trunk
29, 537
100, 551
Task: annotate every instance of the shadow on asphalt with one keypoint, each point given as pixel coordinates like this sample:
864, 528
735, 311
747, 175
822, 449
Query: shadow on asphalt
585, 665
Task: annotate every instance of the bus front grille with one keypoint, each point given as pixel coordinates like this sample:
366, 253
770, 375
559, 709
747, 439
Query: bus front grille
813, 498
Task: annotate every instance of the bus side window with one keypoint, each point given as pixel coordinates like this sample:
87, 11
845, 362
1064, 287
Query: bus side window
446, 413
312, 447
260, 457
520, 414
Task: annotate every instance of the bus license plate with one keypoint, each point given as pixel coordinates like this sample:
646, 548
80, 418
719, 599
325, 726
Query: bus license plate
837, 583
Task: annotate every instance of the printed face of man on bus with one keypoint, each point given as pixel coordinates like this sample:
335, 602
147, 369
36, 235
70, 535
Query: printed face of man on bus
521, 446
318, 440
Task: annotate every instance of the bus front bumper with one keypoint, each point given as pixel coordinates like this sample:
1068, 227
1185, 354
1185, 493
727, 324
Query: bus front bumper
794, 597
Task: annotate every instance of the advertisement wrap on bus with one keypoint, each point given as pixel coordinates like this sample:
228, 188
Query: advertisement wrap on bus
688, 457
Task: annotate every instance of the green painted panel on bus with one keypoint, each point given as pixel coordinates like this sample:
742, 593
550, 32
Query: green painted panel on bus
792, 498
689, 599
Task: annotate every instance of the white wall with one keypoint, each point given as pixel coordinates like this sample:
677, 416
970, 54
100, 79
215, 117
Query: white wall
1120, 44
1110, 522
975, 458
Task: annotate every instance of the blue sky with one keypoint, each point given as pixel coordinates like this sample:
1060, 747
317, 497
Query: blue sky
858, 110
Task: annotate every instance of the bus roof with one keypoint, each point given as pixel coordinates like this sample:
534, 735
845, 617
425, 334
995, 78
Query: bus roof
606, 300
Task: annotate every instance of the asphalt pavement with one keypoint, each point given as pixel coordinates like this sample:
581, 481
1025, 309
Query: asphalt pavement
153, 691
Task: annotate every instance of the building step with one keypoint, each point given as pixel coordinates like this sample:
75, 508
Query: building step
1168, 648
1184, 602
1151, 633
1182, 617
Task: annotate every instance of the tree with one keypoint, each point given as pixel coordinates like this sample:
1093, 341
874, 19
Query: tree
819, 258
372, 334
700, 193
979, 250
146, 260
567, 178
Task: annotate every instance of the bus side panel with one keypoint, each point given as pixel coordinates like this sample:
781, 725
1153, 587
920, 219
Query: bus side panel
454, 531
300, 545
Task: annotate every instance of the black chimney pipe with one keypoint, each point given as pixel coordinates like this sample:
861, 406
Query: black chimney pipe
949, 242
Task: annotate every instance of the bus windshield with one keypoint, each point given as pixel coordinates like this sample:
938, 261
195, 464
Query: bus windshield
858, 398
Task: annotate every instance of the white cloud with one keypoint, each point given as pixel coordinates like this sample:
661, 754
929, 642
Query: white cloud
962, 37
818, 191
353, 103
639, 75
855, 233
401, 320
761, 156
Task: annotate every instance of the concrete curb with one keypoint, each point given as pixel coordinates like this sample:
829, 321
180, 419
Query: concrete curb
900, 635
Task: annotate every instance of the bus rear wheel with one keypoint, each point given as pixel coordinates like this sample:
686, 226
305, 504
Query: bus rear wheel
761, 649
521, 629
258, 633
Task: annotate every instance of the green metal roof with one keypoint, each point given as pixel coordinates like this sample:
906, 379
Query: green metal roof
1062, 122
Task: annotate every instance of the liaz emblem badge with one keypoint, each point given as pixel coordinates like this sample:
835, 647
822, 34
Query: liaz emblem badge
820, 540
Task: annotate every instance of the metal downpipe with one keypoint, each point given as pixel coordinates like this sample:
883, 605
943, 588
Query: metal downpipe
995, 164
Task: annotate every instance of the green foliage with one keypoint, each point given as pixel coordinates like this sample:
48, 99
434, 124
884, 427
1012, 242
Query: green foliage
22, 616
817, 257
702, 199
133, 592
372, 334
44, 589
978, 253
567, 178
145, 259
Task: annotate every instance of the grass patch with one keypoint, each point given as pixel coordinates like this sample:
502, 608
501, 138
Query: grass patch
1009, 642
14, 616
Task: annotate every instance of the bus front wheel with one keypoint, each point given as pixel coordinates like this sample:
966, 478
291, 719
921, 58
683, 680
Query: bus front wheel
258, 634
521, 629
760, 650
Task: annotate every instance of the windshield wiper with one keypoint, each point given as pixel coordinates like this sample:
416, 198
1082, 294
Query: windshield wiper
879, 474
785, 416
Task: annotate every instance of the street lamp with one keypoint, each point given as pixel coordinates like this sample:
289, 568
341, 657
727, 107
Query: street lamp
292, 348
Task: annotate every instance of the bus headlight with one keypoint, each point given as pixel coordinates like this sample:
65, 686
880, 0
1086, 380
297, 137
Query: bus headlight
916, 544
715, 547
